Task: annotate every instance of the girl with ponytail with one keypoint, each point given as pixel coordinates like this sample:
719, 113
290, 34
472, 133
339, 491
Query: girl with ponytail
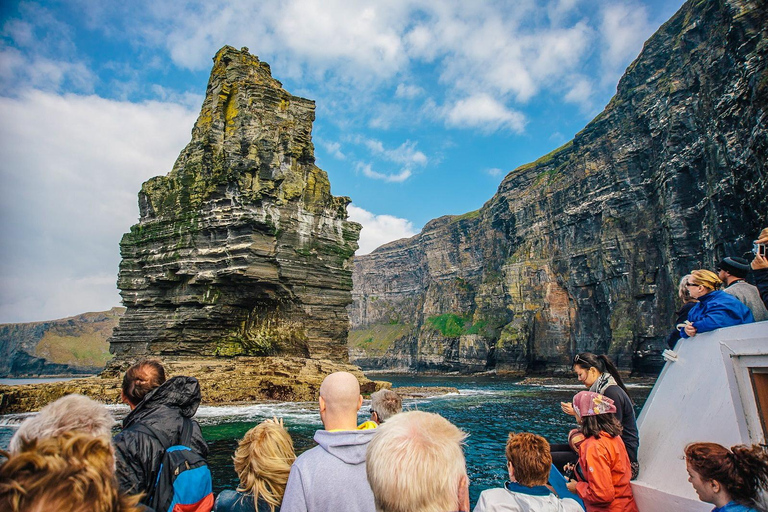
729, 479
599, 375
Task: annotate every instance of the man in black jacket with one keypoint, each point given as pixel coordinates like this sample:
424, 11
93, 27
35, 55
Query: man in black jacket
161, 406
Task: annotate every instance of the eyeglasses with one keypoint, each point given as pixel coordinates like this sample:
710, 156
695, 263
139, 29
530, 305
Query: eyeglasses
688, 285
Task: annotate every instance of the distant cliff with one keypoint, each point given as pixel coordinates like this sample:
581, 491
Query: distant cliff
70, 346
583, 248
241, 249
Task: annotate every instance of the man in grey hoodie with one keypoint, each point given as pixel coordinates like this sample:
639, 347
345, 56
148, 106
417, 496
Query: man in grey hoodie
331, 476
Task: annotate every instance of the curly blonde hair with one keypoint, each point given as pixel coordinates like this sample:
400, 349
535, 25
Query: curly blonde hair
73, 472
263, 461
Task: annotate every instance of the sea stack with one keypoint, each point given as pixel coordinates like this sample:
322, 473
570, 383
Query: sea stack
241, 249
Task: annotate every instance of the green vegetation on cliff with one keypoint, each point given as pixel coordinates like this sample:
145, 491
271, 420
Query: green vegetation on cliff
452, 326
378, 338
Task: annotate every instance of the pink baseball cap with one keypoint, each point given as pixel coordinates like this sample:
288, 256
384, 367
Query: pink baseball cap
588, 403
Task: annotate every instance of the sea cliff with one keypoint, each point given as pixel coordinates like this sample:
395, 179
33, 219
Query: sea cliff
70, 346
582, 249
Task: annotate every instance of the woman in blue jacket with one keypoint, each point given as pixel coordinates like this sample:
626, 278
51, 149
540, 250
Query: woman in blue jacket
715, 308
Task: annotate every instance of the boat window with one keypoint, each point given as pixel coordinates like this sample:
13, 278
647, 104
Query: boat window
759, 378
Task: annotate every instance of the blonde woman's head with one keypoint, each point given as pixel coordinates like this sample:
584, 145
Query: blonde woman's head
263, 461
705, 278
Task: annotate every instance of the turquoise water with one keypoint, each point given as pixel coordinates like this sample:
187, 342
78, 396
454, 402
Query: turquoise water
487, 408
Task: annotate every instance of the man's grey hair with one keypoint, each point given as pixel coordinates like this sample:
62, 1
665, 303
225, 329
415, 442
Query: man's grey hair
386, 403
415, 463
69, 413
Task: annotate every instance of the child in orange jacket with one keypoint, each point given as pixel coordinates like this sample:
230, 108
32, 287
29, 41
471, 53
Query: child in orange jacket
604, 470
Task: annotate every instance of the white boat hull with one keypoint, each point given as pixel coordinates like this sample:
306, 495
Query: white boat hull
707, 394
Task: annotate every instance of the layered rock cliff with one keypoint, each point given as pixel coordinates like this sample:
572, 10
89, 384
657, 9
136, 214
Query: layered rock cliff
70, 346
241, 249
583, 248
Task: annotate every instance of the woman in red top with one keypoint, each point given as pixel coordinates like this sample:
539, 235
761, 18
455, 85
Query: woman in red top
604, 470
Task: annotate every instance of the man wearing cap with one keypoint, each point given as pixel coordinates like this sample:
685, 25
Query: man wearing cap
732, 271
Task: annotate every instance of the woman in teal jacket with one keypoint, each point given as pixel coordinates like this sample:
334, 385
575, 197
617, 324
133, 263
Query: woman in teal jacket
715, 308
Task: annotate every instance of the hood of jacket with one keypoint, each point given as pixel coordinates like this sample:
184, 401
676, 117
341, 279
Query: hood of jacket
179, 393
348, 446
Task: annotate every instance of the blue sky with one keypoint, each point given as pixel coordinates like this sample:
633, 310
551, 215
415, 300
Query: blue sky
422, 108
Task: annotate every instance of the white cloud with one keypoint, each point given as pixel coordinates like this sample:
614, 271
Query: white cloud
391, 178
495, 171
378, 229
624, 29
19, 71
579, 91
70, 170
512, 52
408, 91
334, 148
405, 154
484, 112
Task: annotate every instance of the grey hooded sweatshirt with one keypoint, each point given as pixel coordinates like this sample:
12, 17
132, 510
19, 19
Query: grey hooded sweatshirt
331, 477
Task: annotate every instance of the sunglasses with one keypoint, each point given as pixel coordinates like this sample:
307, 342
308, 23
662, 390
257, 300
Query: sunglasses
581, 360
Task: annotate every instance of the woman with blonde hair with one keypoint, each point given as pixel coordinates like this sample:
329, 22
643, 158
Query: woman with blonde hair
715, 308
263, 462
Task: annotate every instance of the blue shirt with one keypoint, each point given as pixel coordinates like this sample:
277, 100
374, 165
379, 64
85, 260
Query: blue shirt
734, 507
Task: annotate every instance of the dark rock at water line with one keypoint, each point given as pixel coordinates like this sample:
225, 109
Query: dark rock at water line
582, 249
241, 249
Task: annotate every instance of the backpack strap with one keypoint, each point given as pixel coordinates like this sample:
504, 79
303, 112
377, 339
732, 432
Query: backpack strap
185, 437
186, 433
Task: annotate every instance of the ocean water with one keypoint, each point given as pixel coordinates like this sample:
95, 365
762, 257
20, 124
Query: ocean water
487, 408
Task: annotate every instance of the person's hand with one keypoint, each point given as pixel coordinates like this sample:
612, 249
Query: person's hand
567, 408
690, 330
762, 238
569, 467
275, 420
759, 262
571, 485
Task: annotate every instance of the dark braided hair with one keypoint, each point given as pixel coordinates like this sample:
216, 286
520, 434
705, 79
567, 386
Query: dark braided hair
587, 360
742, 470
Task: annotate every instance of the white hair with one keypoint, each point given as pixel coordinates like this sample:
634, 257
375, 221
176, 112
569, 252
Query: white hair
415, 463
69, 413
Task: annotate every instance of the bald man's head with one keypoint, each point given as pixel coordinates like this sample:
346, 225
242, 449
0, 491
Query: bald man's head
340, 400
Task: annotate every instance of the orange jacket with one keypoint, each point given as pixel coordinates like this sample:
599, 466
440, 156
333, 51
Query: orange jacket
605, 464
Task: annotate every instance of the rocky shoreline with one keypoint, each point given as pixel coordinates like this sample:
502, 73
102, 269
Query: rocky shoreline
239, 380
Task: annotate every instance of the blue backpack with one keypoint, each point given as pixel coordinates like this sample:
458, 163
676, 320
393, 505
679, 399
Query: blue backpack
184, 482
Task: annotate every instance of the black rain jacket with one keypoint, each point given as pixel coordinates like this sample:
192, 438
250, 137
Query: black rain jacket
137, 453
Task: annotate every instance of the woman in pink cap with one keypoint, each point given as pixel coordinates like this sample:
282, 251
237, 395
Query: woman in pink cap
603, 471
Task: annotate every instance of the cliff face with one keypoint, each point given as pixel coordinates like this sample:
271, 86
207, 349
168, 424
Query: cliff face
70, 346
582, 249
241, 249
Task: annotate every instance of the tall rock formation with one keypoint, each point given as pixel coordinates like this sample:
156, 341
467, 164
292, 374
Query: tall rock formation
583, 248
241, 249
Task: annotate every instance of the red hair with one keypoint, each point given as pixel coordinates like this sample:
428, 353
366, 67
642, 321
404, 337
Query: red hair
742, 470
